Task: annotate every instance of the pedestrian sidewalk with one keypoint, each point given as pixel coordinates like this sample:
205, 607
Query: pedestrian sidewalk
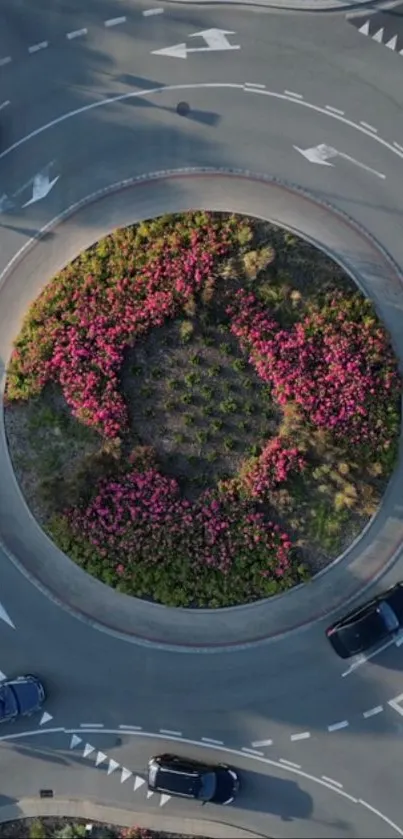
93, 811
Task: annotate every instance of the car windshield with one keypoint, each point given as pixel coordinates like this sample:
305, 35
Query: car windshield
389, 617
8, 705
208, 785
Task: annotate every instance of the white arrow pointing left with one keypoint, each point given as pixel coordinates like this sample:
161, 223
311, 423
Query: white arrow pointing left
4, 616
41, 186
320, 154
216, 40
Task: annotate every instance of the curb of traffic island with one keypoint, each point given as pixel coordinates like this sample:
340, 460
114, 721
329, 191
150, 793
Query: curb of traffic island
71, 808
129, 618
342, 6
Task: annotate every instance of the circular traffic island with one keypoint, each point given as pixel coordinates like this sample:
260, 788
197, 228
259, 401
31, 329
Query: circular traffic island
202, 410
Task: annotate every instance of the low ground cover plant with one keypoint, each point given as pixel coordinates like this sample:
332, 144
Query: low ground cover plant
211, 409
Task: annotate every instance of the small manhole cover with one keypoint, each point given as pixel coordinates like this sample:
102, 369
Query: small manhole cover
183, 109
46, 793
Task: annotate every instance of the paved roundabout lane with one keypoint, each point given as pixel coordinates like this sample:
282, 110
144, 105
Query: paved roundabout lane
271, 691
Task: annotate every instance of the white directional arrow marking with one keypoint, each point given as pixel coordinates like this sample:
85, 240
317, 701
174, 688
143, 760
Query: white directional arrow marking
216, 40
125, 775
88, 750
113, 764
45, 718
100, 758
164, 798
41, 187
138, 782
320, 154
5, 617
75, 741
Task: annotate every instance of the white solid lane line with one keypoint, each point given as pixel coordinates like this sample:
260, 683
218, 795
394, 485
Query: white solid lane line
381, 816
214, 742
252, 751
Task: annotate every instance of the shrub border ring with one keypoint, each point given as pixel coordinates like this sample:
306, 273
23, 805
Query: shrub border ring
152, 178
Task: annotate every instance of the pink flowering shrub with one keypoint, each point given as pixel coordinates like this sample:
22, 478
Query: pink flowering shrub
76, 331
336, 364
151, 541
272, 467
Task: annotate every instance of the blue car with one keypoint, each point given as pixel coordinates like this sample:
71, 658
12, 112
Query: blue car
20, 697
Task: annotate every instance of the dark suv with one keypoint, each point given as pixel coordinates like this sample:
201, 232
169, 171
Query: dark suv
187, 778
20, 697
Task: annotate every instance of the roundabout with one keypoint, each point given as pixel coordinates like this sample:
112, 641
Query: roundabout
238, 148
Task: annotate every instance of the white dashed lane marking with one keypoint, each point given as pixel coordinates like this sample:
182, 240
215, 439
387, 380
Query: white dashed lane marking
252, 752
258, 743
334, 110
291, 93
4, 104
150, 12
114, 21
289, 763
303, 735
37, 47
170, 732
369, 127
4, 61
132, 727
338, 725
91, 725
373, 711
78, 33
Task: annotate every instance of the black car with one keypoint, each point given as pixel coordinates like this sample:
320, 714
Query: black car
368, 625
191, 779
20, 697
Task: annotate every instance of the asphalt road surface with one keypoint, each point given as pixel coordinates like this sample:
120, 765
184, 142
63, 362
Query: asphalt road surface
87, 102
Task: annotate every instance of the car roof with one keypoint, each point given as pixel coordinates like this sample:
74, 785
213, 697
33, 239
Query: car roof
175, 780
363, 632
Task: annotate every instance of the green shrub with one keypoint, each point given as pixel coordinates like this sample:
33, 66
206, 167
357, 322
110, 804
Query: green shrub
37, 830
